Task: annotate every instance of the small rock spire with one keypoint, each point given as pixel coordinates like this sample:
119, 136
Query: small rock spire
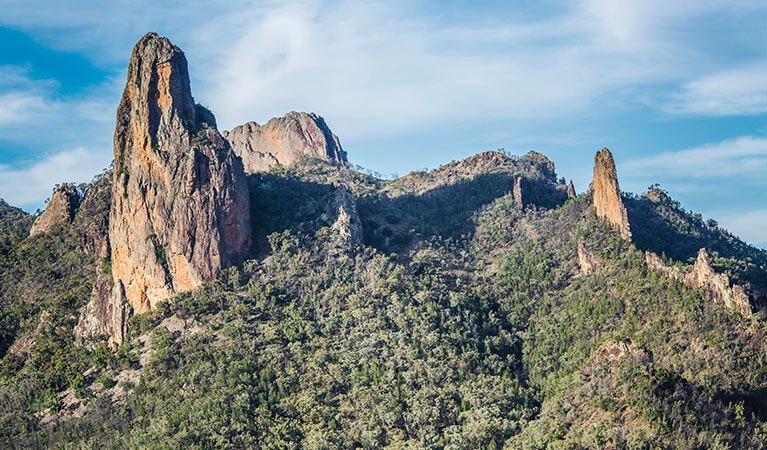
606, 193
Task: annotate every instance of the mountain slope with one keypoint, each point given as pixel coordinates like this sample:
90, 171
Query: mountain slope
472, 334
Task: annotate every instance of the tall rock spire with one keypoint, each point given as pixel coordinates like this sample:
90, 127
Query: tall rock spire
180, 206
607, 194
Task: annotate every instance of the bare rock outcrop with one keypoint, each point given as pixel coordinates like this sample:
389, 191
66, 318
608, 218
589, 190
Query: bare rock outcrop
606, 193
348, 224
717, 286
60, 209
586, 260
285, 140
571, 190
179, 205
655, 263
521, 193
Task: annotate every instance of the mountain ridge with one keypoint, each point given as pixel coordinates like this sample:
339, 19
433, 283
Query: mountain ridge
482, 304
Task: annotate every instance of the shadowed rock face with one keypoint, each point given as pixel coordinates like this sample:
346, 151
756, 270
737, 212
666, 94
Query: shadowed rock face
571, 190
180, 207
284, 140
607, 194
61, 208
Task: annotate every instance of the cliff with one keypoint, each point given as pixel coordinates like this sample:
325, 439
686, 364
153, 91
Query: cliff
606, 193
285, 140
179, 207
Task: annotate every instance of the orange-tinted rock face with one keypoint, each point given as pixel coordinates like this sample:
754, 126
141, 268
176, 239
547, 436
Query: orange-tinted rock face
180, 207
607, 194
285, 140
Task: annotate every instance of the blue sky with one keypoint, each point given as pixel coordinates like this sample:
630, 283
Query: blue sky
677, 90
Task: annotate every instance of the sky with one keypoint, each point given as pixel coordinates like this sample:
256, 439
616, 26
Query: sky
676, 89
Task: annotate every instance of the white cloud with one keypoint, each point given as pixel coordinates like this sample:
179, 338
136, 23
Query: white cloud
29, 186
750, 226
745, 156
738, 91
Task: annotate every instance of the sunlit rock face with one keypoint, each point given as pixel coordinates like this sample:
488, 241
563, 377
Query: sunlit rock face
180, 208
60, 209
606, 193
285, 140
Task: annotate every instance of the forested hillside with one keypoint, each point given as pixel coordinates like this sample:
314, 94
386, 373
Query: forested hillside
475, 306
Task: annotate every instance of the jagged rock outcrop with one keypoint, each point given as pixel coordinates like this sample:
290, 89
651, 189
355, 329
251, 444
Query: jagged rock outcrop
606, 193
716, 285
521, 193
347, 224
179, 205
655, 263
571, 190
586, 260
61, 208
285, 140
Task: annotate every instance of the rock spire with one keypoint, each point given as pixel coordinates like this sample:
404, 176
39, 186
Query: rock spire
180, 206
606, 193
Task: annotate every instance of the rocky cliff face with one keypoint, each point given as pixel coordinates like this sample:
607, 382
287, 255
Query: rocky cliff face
717, 286
285, 140
61, 208
606, 193
180, 207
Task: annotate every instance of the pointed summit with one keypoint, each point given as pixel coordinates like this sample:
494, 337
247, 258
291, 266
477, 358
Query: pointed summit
180, 206
607, 194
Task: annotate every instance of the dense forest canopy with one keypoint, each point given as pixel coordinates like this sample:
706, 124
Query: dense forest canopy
461, 316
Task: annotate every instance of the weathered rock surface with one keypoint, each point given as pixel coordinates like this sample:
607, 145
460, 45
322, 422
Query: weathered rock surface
348, 224
571, 190
655, 263
542, 159
717, 286
179, 207
61, 208
521, 192
586, 260
285, 140
606, 193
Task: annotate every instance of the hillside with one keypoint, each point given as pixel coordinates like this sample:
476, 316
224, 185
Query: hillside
479, 305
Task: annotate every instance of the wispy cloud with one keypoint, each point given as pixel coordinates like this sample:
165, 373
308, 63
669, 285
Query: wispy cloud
737, 91
748, 225
745, 156
29, 185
